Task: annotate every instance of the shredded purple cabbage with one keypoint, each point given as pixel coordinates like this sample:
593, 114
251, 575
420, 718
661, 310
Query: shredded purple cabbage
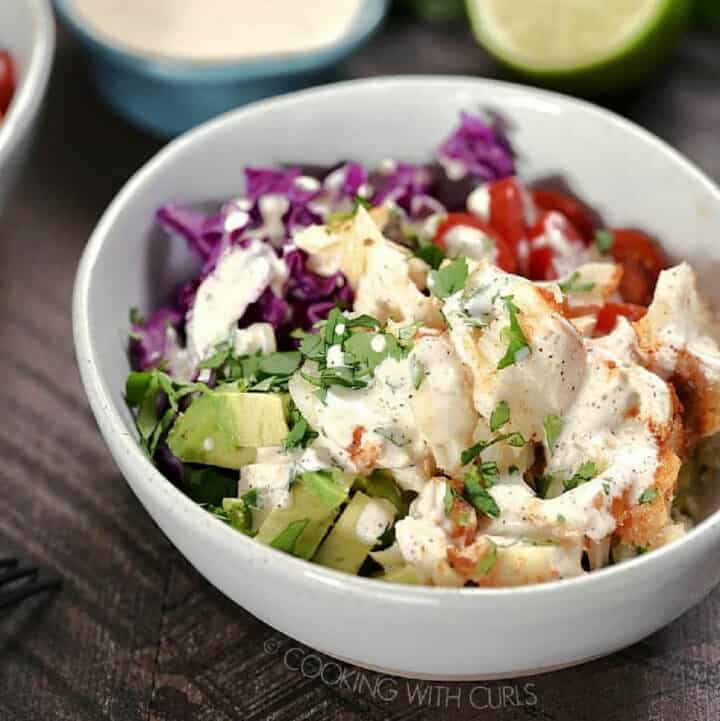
402, 184
149, 341
418, 191
481, 148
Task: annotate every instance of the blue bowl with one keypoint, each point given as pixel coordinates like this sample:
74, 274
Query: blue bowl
167, 97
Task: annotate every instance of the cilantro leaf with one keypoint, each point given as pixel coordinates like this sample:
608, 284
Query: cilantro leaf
518, 347
488, 560
448, 280
604, 240
500, 416
553, 427
431, 254
475, 490
449, 500
360, 202
648, 496
300, 435
585, 473
417, 371
573, 284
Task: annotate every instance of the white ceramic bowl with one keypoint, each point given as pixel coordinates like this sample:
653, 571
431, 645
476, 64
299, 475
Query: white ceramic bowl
27, 30
630, 176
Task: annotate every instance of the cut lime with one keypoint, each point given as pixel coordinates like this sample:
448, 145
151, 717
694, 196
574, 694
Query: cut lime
585, 46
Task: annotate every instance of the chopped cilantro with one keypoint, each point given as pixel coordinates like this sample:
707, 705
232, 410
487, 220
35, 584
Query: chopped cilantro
449, 500
553, 426
604, 240
475, 485
641, 549
417, 371
585, 473
542, 484
448, 280
488, 560
300, 435
515, 439
430, 253
360, 202
500, 416
136, 317
648, 496
573, 284
518, 347
606, 488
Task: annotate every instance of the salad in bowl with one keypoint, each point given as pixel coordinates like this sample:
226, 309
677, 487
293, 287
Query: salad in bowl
430, 373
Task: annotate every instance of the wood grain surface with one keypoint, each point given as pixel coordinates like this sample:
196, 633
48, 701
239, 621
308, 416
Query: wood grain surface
136, 634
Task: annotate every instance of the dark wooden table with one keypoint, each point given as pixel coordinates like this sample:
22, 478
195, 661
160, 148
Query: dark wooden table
136, 633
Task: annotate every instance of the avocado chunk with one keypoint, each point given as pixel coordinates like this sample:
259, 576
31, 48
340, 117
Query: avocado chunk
315, 499
223, 428
345, 548
406, 574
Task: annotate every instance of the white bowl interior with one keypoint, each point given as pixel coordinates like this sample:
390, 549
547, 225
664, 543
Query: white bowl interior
631, 178
27, 30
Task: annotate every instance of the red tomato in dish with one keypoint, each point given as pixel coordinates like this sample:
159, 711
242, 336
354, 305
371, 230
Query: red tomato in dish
576, 213
642, 260
7, 80
541, 265
608, 315
507, 211
504, 257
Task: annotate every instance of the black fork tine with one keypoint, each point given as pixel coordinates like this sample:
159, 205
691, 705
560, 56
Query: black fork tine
17, 574
15, 595
20, 582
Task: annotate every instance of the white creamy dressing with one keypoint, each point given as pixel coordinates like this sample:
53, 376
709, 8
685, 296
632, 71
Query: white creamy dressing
478, 202
256, 337
678, 321
335, 357
374, 520
454, 169
567, 254
238, 280
555, 349
224, 31
470, 242
391, 437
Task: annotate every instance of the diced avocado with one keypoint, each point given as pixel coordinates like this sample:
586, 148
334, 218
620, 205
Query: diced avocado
225, 427
315, 499
343, 550
381, 484
391, 559
406, 574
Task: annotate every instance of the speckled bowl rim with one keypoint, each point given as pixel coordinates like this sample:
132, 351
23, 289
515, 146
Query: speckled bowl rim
31, 90
179, 505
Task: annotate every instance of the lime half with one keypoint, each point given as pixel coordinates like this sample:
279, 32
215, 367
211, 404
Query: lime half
585, 46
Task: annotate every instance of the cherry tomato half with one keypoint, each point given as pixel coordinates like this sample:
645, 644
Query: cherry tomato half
541, 262
642, 260
571, 208
507, 211
608, 315
7, 80
504, 257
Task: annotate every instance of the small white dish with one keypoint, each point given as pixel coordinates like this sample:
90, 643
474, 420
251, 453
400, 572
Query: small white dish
631, 177
27, 30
